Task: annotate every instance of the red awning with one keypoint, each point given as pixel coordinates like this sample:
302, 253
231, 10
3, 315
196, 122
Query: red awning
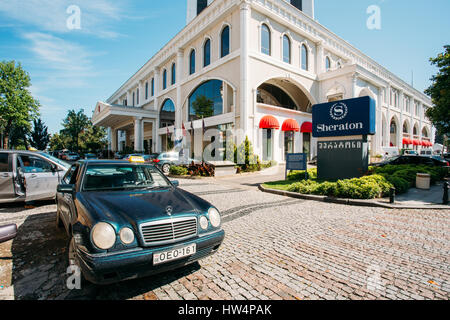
306, 127
416, 142
290, 125
269, 122
407, 141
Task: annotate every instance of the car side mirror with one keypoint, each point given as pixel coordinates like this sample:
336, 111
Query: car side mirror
175, 183
8, 232
65, 188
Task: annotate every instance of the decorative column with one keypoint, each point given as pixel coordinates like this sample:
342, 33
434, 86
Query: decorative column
138, 134
156, 139
129, 98
388, 116
179, 103
319, 58
141, 94
402, 116
113, 140
354, 82
245, 17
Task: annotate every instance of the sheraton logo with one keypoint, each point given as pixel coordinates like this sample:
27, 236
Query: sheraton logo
340, 127
338, 111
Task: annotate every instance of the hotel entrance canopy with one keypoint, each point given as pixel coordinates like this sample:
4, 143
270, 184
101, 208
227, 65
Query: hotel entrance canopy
112, 116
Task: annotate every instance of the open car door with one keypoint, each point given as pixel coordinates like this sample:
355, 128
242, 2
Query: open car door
40, 178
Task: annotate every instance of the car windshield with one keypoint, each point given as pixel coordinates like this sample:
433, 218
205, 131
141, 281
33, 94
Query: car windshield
123, 177
56, 160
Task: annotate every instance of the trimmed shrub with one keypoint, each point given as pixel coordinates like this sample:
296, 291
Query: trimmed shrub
178, 171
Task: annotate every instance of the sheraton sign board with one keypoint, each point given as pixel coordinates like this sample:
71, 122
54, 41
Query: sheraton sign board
351, 117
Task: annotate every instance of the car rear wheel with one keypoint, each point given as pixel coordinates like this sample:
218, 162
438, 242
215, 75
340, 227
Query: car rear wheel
166, 168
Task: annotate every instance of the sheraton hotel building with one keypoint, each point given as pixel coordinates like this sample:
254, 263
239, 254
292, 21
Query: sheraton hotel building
257, 66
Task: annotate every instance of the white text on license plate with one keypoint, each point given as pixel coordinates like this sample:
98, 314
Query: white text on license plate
166, 256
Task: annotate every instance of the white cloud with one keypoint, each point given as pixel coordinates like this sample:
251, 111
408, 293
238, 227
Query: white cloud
97, 16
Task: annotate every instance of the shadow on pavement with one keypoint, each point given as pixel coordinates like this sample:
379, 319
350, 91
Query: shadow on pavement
39, 257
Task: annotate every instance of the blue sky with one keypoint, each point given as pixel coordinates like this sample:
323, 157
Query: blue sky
73, 69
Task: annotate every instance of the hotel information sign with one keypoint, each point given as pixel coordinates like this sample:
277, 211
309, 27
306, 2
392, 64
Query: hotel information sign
342, 159
351, 117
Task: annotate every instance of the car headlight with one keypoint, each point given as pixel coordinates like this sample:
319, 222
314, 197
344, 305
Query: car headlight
126, 236
214, 217
203, 222
103, 235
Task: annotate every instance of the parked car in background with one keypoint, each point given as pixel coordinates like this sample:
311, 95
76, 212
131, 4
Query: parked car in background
29, 176
73, 156
167, 159
90, 156
417, 160
118, 156
8, 232
410, 152
127, 220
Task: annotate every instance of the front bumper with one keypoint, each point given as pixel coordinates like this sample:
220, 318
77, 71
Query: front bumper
137, 263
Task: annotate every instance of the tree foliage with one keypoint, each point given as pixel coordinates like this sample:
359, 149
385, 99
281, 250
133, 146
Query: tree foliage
440, 93
17, 106
74, 125
39, 137
79, 134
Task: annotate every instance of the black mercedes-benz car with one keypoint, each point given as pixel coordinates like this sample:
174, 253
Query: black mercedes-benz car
127, 220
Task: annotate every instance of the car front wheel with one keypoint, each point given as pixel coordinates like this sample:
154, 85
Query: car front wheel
75, 270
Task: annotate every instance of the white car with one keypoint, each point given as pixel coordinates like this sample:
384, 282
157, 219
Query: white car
29, 176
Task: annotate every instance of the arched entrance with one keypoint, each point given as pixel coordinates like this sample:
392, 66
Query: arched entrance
291, 105
166, 120
393, 133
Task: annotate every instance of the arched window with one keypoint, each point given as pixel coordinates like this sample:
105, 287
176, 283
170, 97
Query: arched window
405, 128
174, 74
305, 57
225, 42
265, 40
272, 95
192, 62
207, 53
164, 79
207, 100
327, 64
393, 127
425, 133
286, 49
167, 114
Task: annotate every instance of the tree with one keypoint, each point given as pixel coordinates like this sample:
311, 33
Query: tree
93, 138
203, 107
39, 137
440, 93
17, 105
74, 124
59, 142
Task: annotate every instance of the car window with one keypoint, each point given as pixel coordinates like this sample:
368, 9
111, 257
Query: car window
69, 175
56, 160
4, 162
32, 164
120, 177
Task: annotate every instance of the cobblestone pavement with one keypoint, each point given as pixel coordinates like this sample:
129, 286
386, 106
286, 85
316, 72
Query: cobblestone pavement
275, 248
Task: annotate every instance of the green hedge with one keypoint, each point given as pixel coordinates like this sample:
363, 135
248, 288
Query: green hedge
178, 171
375, 185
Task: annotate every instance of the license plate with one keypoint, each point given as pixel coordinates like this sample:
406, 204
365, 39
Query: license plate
170, 255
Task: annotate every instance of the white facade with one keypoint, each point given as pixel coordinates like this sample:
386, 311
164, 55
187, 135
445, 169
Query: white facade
260, 79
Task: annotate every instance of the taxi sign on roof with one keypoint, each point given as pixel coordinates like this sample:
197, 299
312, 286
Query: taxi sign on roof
137, 159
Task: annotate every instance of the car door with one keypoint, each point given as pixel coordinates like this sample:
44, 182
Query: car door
6, 177
65, 200
40, 177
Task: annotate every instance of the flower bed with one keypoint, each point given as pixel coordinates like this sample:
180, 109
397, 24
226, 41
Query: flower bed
376, 184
